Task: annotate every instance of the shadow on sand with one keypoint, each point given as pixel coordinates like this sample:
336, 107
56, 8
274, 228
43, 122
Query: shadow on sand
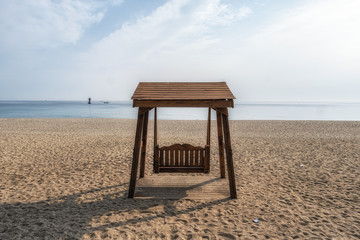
73, 216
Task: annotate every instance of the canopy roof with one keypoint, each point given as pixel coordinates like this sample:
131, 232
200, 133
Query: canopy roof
183, 94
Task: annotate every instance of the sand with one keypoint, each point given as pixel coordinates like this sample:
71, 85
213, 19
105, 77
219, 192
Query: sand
68, 179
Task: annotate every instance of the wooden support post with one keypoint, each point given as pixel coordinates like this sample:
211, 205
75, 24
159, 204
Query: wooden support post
229, 158
221, 143
156, 163
207, 147
207, 159
143, 147
135, 161
157, 157
208, 128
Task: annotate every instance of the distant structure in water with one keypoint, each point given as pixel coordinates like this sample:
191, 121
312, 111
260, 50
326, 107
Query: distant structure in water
89, 102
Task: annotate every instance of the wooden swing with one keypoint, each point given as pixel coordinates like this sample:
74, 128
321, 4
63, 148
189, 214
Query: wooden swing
182, 158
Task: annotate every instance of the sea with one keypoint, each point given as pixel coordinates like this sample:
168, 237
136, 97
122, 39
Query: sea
124, 110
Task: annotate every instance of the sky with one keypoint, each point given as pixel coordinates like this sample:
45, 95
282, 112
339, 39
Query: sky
278, 50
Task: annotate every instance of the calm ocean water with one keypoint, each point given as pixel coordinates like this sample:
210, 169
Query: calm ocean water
248, 111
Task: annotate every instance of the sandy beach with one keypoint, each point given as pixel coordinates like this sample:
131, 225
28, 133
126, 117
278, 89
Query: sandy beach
68, 179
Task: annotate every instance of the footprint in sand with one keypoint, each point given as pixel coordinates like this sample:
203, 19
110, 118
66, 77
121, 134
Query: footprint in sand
226, 235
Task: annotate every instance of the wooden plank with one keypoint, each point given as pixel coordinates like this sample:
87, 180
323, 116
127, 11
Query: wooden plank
177, 162
222, 103
208, 127
221, 110
181, 147
172, 160
162, 157
197, 157
229, 158
144, 141
156, 150
192, 169
182, 187
145, 109
207, 159
157, 158
220, 143
178, 157
182, 91
192, 158
202, 157
182, 162
167, 159
135, 162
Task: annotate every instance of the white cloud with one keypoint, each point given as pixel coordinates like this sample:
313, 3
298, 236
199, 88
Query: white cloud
214, 13
311, 52
34, 24
162, 44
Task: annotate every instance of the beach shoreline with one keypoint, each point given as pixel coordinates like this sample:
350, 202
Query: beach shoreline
68, 178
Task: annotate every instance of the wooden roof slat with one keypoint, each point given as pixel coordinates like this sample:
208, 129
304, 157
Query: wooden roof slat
182, 91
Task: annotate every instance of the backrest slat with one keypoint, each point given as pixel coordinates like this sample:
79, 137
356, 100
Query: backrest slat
182, 158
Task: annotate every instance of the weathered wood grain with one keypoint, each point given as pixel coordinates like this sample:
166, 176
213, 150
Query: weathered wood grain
220, 143
221, 103
135, 162
143, 145
182, 187
182, 158
182, 91
229, 156
185, 157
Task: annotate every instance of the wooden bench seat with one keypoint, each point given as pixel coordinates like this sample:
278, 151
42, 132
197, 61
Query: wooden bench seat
182, 158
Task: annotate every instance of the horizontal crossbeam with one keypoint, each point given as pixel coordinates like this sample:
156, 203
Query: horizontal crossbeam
184, 103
